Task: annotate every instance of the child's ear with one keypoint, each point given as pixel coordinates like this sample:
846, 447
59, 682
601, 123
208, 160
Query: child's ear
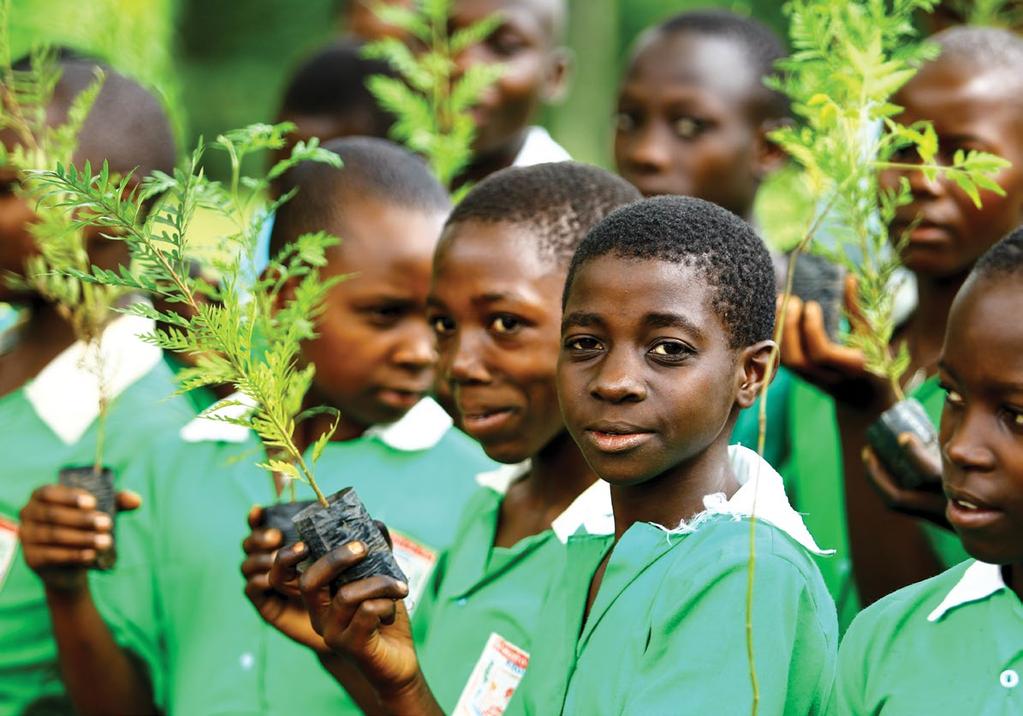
559, 68
768, 157
754, 369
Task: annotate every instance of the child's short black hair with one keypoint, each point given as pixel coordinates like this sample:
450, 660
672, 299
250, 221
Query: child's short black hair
1004, 259
762, 46
557, 202
985, 48
695, 233
332, 83
127, 125
374, 168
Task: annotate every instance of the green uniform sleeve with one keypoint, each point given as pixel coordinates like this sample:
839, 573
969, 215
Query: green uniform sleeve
696, 658
850, 683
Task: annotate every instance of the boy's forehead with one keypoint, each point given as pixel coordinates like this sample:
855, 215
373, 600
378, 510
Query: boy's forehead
493, 247
639, 286
549, 15
983, 329
687, 58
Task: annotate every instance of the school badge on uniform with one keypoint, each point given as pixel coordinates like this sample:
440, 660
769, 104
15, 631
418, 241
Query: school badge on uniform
494, 679
416, 561
8, 547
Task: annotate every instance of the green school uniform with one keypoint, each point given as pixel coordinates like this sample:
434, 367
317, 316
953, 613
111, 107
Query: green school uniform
204, 646
952, 644
814, 475
666, 632
480, 610
46, 425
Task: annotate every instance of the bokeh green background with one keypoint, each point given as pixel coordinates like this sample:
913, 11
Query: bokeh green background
222, 63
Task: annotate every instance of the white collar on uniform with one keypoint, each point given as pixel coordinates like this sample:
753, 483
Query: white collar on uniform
759, 483
206, 428
979, 581
65, 394
540, 148
421, 428
591, 509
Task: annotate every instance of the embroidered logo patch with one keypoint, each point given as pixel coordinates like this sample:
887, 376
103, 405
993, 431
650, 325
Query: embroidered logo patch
494, 679
8, 547
416, 561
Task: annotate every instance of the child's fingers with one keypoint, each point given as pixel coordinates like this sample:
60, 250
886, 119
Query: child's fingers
926, 460
284, 570
926, 504
376, 587
262, 540
128, 501
47, 557
47, 534
331, 565
822, 351
368, 617
59, 515
255, 517
791, 341
881, 479
63, 495
258, 565
851, 297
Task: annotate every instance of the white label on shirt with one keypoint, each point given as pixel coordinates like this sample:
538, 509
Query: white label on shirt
493, 680
8, 547
416, 561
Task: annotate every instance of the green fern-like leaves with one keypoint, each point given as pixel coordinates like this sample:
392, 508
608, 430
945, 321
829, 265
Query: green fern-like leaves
246, 336
849, 58
429, 103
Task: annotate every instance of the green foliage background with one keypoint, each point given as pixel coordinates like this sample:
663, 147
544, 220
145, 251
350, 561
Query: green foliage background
223, 63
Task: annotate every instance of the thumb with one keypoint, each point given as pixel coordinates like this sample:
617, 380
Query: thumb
128, 501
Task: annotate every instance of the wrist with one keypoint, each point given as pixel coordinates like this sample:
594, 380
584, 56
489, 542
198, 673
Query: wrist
410, 698
66, 589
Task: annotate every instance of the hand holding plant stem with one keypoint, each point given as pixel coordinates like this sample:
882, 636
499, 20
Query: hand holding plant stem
251, 344
429, 103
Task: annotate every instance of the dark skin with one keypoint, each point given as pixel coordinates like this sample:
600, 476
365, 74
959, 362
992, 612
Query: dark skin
377, 321
969, 111
688, 121
495, 308
359, 19
527, 43
643, 351
981, 431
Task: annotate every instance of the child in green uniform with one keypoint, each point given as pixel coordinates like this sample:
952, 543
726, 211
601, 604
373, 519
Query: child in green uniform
668, 313
693, 118
495, 304
49, 402
953, 644
963, 92
192, 644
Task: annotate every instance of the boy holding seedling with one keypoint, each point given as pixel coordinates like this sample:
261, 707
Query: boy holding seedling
49, 397
951, 644
495, 305
374, 360
962, 93
668, 313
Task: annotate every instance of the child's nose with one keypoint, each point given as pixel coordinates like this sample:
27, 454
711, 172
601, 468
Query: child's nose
418, 348
615, 381
966, 447
647, 149
465, 364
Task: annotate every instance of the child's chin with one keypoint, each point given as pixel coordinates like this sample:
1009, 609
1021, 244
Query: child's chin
990, 551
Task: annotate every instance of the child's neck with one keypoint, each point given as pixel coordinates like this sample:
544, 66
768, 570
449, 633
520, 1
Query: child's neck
1014, 581
677, 495
501, 158
40, 339
558, 474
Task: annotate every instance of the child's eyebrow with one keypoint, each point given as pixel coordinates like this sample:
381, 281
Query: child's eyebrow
672, 320
582, 320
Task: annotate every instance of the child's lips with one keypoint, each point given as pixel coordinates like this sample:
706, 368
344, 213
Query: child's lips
481, 422
617, 439
400, 398
968, 513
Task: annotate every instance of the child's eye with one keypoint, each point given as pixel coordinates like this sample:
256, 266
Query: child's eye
951, 396
671, 350
1015, 417
582, 344
505, 324
688, 127
442, 325
625, 122
506, 44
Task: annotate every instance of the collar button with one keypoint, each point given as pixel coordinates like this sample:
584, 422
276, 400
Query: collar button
1009, 679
